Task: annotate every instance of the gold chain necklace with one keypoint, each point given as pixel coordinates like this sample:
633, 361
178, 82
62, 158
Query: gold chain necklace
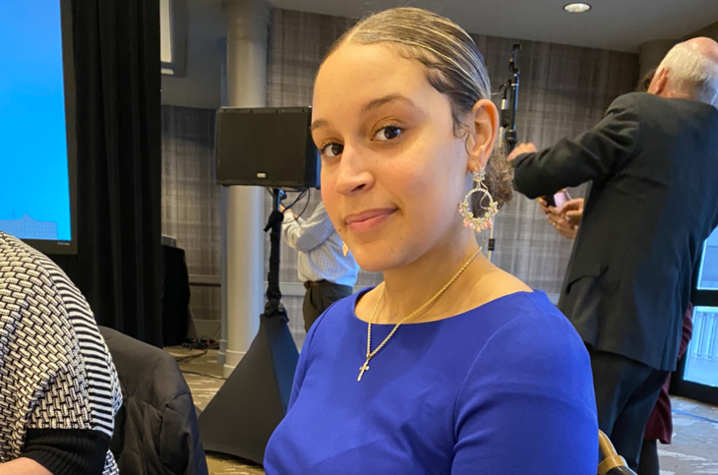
370, 354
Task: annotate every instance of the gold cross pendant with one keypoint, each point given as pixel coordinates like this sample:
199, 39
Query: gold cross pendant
363, 368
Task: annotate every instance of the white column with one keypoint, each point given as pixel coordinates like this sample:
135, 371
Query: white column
247, 35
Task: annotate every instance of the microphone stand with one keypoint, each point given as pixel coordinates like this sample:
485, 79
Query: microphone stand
509, 104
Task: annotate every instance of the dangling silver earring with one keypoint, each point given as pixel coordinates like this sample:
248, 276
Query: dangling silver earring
486, 221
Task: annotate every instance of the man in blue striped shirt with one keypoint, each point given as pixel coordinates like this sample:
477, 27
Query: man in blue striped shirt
328, 274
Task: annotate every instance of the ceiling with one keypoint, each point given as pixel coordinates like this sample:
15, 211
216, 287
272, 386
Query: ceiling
611, 24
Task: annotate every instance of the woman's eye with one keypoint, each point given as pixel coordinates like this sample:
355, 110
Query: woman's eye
332, 150
387, 133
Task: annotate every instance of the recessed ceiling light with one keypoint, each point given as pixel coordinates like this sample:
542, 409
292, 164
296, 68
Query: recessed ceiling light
577, 7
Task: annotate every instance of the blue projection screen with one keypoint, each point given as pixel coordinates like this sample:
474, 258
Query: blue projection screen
37, 181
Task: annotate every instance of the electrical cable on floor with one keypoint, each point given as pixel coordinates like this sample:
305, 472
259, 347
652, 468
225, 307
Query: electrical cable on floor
204, 375
186, 359
202, 343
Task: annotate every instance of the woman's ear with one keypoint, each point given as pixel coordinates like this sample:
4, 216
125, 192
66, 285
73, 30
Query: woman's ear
483, 130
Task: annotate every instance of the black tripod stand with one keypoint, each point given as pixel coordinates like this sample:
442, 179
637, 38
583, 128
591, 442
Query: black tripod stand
243, 414
274, 307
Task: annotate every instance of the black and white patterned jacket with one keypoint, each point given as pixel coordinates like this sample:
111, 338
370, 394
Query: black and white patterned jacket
59, 391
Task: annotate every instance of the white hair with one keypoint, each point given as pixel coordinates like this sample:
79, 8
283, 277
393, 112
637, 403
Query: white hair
691, 73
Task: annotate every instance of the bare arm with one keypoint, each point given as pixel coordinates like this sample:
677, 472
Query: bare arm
23, 466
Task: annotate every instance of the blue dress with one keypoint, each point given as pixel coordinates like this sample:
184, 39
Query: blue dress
505, 388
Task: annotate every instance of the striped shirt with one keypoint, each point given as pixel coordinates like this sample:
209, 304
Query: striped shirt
55, 369
320, 249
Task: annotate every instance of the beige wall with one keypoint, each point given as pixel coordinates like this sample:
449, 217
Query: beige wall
711, 31
652, 52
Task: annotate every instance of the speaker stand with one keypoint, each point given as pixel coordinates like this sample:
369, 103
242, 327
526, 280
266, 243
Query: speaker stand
252, 402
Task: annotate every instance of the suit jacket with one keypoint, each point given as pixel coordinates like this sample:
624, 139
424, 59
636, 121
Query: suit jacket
653, 164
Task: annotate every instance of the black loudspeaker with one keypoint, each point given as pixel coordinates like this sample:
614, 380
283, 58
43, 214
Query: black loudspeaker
266, 146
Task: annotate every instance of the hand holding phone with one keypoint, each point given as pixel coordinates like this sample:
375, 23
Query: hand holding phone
558, 199
561, 198
573, 211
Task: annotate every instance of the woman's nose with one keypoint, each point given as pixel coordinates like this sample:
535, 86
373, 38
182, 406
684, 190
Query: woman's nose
354, 174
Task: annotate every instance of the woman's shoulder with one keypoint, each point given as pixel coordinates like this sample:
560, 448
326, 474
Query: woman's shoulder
521, 330
534, 349
530, 332
533, 316
527, 309
531, 377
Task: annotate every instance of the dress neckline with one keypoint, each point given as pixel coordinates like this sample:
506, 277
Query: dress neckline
355, 298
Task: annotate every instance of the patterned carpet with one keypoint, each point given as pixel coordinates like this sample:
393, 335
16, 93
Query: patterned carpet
695, 439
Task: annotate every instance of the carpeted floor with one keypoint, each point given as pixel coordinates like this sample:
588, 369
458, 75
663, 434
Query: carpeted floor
694, 450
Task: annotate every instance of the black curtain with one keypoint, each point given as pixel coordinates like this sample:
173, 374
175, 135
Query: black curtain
117, 75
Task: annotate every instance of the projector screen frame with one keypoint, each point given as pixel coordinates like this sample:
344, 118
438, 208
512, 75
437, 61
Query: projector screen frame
68, 67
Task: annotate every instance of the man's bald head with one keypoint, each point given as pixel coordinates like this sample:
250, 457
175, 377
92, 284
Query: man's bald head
704, 46
689, 71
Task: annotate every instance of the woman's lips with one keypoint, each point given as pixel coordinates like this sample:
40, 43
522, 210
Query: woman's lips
368, 220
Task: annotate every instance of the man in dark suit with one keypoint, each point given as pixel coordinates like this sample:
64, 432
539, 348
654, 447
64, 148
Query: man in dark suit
653, 164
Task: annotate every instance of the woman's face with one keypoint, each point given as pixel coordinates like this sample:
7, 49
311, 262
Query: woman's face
393, 171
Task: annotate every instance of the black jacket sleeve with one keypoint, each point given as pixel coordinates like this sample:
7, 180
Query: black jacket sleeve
67, 451
593, 156
180, 446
